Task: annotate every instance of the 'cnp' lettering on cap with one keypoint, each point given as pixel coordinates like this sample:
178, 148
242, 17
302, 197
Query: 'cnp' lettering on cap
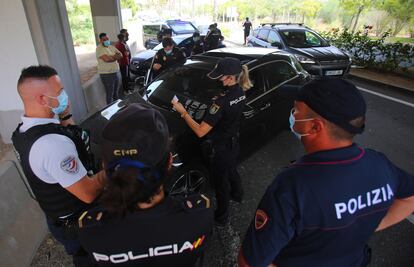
125, 152
371, 198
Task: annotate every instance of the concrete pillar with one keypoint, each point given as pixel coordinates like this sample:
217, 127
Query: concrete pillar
50, 31
106, 17
18, 52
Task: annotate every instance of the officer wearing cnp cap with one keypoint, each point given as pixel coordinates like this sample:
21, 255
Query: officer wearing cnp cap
221, 125
321, 211
137, 224
167, 57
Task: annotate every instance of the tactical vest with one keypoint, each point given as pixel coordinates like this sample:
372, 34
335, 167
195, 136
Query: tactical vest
54, 200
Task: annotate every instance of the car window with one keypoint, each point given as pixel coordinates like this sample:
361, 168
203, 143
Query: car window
303, 39
180, 27
256, 77
263, 35
278, 72
273, 37
151, 29
186, 84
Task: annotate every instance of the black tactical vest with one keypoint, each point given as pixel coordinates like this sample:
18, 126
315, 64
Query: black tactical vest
54, 200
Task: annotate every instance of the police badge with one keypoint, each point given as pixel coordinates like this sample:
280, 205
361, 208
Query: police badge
214, 108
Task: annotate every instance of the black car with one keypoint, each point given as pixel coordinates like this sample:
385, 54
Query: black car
141, 62
178, 27
276, 76
315, 54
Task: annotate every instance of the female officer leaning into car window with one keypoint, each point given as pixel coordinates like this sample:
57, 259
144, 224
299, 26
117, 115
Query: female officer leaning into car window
222, 122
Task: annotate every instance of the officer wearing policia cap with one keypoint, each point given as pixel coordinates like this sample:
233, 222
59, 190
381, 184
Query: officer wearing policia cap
167, 57
137, 224
221, 124
55, 156
321, 211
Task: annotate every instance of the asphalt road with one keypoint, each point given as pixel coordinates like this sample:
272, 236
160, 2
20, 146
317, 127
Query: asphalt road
389, 129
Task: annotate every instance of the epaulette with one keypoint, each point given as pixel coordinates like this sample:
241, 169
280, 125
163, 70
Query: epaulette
90, 218
196, 203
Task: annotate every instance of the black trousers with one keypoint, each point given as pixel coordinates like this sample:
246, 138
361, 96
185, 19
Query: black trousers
125, 78
226, 179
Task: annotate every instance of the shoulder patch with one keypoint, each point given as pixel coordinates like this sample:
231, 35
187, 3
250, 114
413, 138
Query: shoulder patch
70, 165
214, 108
260, 219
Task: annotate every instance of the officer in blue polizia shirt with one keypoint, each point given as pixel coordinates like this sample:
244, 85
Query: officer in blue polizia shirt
321, 211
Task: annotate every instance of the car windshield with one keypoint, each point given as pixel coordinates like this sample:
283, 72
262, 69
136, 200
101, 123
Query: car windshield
180, 27
303, 39
184, 82
177, 39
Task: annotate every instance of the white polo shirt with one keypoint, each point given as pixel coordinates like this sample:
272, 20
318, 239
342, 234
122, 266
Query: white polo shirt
53, 157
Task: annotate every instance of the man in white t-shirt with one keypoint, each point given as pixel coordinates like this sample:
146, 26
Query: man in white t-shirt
55, 155
108, 67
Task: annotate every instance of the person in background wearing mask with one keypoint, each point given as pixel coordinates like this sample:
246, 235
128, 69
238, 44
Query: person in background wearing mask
198, 44
123, 63
126, 34
322, 210
213, 37
167, 57
108, 67
55, 156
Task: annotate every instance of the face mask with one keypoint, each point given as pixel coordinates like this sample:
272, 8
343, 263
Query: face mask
169, 52
292, 122
107, 43
63, 100
195, 39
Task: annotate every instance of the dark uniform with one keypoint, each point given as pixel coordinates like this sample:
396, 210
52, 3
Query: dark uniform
172, 233
198, 47
167, 61
60, 206
322, 210
212, 39
224, 115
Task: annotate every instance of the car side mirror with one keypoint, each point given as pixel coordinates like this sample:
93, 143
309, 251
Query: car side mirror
277, 44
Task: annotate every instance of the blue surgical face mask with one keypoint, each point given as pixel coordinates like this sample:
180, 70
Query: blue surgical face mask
107, 43
292, 122
63, 100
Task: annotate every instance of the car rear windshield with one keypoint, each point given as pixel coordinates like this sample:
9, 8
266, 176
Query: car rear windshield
184, 82
182, 27
303, 39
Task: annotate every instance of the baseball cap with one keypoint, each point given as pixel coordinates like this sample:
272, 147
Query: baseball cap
226, 66
137, 132
336, 100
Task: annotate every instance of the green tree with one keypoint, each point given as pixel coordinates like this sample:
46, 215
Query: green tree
80, 21
131, 4
402, 11
308, 8
356, 7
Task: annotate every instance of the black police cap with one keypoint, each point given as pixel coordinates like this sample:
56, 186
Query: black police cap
336, 100
226, 66
136, 132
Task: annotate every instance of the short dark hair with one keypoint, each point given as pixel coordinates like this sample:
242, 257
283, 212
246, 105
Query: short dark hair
121, 36
41, 72
167, 41
247, 18
123, 31
123, 191
195, 34
102, 35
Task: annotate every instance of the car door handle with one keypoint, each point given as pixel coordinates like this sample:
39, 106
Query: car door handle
265, 106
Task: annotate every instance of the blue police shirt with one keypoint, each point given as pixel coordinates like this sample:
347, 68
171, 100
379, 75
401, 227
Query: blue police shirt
321, 211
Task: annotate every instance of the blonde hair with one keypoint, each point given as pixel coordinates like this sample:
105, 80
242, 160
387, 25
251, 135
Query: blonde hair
244, 80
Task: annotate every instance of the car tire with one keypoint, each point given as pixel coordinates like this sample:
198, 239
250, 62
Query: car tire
188, 179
